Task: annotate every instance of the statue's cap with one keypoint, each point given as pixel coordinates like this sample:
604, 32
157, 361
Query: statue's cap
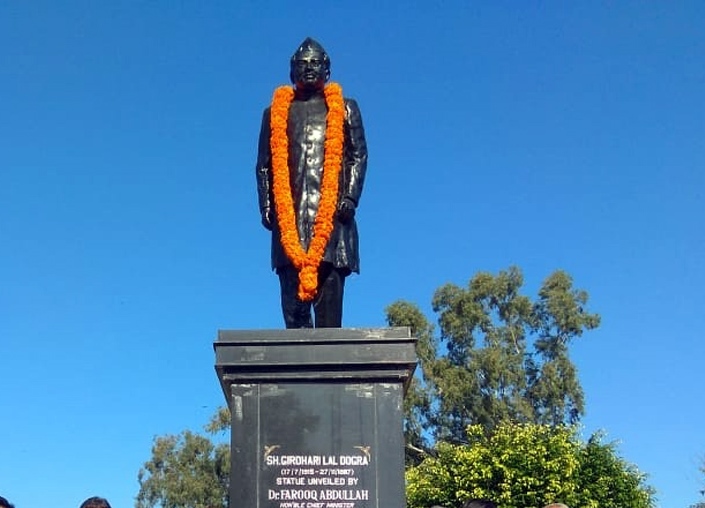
309, 46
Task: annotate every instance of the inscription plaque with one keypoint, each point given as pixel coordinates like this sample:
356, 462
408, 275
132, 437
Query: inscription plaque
318, 445
318, 481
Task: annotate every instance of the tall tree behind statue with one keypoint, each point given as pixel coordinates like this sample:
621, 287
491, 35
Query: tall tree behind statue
499, 356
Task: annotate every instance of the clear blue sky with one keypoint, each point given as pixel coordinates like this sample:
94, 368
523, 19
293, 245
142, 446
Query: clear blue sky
547, 135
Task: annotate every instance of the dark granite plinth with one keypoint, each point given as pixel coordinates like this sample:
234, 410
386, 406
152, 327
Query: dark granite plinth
316, 416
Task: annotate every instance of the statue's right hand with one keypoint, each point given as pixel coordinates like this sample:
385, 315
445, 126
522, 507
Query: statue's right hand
267, 219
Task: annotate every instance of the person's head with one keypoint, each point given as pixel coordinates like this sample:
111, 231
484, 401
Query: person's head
310, 66
4, 503
479, 503
556, 505
95, 502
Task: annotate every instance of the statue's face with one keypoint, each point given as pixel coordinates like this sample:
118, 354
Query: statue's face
309, 71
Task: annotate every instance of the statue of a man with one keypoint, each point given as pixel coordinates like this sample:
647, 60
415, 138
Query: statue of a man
310, 171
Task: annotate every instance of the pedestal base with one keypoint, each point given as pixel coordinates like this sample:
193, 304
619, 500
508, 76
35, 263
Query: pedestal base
316, 416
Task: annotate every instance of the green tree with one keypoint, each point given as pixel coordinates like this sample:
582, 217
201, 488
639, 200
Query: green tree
525, 466
605, 479
499, 355
187, 470
417, 400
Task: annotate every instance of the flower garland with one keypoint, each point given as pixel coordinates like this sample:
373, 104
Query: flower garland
306, 262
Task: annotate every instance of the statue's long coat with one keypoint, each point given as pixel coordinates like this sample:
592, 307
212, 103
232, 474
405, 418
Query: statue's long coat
306, 131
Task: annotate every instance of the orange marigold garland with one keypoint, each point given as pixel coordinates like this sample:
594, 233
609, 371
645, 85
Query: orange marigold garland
306, 262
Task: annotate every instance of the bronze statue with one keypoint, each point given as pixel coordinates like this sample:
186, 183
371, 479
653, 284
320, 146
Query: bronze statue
311, 167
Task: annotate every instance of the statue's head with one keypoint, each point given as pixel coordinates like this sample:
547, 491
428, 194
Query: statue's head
310, 66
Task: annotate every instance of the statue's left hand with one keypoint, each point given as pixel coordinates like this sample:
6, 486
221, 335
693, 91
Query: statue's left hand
267, 219
346, 210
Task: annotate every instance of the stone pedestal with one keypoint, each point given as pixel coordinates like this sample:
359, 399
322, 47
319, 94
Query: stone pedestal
316, 416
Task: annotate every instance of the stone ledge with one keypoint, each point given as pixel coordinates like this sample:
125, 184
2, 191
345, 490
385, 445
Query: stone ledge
315, 355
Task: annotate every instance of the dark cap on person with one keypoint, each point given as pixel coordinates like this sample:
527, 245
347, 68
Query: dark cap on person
95, 502
4, 503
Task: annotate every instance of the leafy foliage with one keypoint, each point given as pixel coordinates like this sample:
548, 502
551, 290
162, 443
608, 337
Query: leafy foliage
417, 401
524, 466
500, 356
607, 478
187, 470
